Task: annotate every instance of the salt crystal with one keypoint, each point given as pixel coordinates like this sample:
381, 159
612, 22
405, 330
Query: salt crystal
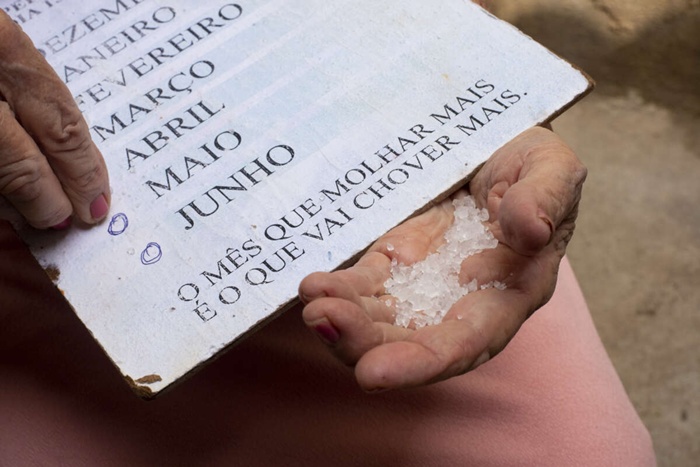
498, 285
426, 290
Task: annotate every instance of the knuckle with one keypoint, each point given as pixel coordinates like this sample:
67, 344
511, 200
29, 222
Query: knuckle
21, 179
69, 132
581, 172
69, 142
578, 169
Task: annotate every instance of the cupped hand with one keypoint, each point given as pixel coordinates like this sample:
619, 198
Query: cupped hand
531, 188
50, 169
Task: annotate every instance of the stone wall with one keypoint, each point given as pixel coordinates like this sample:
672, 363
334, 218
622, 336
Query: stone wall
650, 46
636, 250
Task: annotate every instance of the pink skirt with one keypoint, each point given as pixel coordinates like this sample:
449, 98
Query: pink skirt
551, 398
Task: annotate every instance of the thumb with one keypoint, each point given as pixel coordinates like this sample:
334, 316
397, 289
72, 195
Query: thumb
547, 191
526, 225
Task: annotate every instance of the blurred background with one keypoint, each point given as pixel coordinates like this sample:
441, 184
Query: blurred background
637, 245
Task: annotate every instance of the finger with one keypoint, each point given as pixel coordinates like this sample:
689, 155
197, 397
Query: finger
357, 285
476, 329
377, 309
548, 190
495, 316
538, 195
365, 278
348, 329
45, 108
497, 264
427, 355
26, 179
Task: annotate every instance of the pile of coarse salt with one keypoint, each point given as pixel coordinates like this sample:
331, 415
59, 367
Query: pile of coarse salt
426, 290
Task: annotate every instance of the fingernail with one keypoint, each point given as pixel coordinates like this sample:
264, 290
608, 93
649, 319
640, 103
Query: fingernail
99, 208
327, 332
62, 225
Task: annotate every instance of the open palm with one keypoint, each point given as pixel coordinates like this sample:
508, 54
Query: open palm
531, 188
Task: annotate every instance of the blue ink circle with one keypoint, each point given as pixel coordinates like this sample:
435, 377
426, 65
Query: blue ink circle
151, 254
118, 224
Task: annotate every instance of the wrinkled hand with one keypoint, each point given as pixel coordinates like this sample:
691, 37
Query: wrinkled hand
531, 188
49, 167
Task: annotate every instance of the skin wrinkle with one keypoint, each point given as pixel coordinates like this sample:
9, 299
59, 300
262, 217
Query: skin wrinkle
20, 74
8, 80
21, 179
83, 181
10, 33
460, 365
35, 83
464, 347
64, 131
75, 148
5, 111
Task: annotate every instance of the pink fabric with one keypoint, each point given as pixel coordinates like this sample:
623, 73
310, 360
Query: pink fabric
552, 398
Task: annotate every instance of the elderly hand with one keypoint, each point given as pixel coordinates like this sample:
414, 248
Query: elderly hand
50, 169
531, 188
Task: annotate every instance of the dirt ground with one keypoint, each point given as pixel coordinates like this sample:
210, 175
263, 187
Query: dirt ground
637, 246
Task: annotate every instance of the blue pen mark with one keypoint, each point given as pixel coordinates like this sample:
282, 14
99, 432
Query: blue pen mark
118, 224
151, 254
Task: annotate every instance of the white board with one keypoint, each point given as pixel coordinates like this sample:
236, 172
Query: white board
252, 143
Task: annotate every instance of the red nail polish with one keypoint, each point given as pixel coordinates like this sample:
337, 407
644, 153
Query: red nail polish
327, 332
99, 208
62, 225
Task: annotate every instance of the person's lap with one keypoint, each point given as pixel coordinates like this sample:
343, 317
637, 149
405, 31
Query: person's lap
551, 398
